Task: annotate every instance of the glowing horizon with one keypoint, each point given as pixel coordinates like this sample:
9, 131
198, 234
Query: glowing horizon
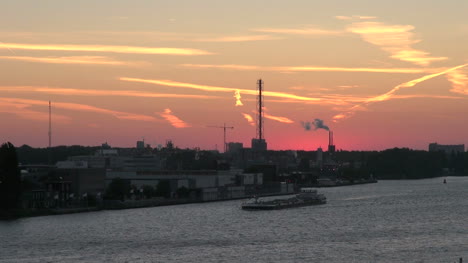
380, 75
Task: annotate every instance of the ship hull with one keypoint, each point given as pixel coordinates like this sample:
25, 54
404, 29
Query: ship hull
273, 206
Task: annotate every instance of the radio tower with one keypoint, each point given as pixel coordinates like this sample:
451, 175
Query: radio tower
259, 145
50, 134
260, 110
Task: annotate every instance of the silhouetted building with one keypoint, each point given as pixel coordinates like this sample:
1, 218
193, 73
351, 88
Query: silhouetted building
319, 156
259, 145
447, 149
90, 181
140, 144
105, 146
235, 147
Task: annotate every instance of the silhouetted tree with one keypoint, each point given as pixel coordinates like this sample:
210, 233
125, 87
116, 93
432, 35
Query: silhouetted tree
117, 189
10, 177
148, 191
163, 188
183, 192
406, 164
29, 155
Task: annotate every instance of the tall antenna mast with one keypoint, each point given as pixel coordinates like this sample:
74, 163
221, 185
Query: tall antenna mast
260, 110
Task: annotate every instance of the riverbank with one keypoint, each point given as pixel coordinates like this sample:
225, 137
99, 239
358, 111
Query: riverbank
131, 204
331, 183
117, 205
20, 213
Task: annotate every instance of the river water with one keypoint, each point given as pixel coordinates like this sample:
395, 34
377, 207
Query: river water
391, 221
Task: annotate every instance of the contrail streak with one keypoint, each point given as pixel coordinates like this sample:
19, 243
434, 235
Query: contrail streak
389, 94
170, 83
93, 60
84, 108
310, 68
22, 110
3, 44
112, 49
106, 93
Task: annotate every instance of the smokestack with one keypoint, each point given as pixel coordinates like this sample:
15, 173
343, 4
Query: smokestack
331, 146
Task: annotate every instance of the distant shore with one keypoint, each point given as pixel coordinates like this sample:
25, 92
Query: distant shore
116, 205
131, 204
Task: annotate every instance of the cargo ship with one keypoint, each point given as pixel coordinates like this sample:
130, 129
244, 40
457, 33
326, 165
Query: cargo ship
306, 197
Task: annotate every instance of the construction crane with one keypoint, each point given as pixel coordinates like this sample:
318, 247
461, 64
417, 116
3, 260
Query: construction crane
224, 127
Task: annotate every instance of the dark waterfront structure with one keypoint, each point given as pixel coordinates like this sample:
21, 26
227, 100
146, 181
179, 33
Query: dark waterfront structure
447, 149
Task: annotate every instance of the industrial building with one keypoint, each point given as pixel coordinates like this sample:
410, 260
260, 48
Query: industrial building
447, 149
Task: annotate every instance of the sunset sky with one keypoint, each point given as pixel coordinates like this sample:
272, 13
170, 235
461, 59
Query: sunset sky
380, 74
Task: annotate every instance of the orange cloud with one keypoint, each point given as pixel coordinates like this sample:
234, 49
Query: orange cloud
311, 69
106, 48
22, 111
92, 36
82, 107
171, 83
93, 60
459, 82
173, 120
340, 69
277, 118
249, 119
238, 98
355, 17
228, 66
348, 86
298, 31
394, 39
88, 92
236, 38
149, 36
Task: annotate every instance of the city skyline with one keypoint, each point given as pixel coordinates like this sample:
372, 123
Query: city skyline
379, 75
